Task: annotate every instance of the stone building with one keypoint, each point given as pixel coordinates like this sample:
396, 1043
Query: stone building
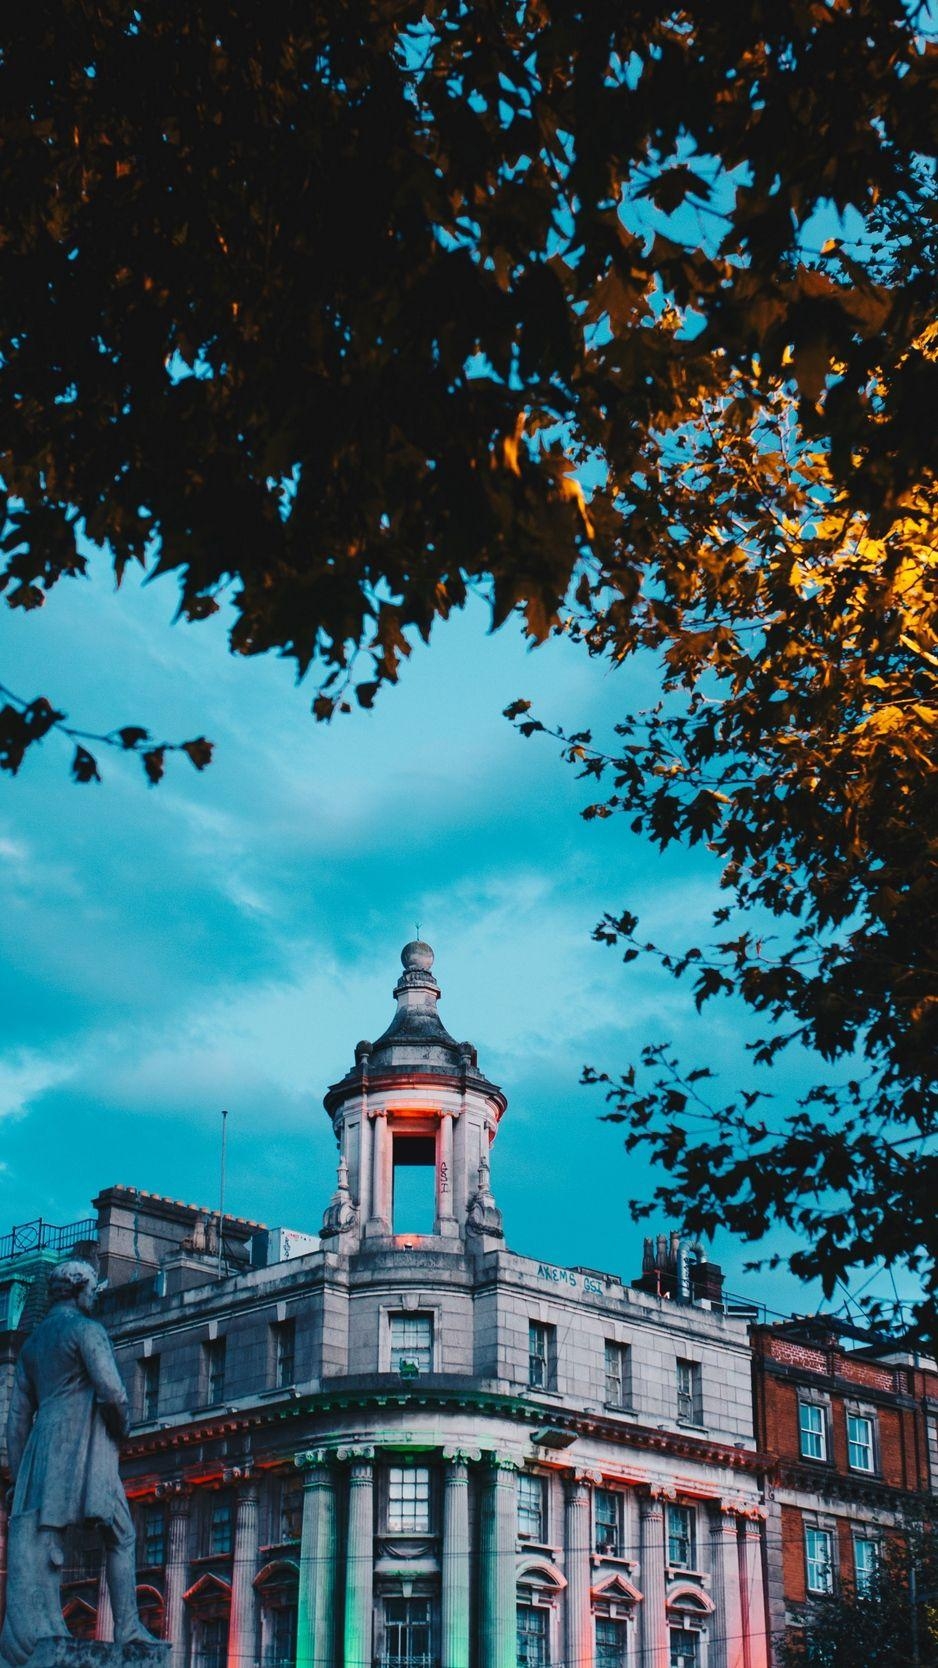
853, 1426
400, 1445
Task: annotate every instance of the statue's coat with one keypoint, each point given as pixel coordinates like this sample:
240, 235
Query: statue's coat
69, 1408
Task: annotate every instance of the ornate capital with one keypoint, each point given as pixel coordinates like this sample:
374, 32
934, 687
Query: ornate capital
237, 1473
364, 1451
663, 1493
461, 1456
580, 1477
175, 1492
311, 1458
502, 1462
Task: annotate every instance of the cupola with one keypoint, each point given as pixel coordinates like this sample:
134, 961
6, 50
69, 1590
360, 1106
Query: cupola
414, 1097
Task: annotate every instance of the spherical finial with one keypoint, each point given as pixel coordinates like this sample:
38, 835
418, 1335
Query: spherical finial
417, 956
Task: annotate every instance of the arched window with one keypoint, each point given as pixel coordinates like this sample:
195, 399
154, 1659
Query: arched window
540, 1584
277, 1590
150, 1608
689, 1609
209, 1604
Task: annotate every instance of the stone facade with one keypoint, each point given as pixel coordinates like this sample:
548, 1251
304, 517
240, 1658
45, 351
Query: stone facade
420, 1450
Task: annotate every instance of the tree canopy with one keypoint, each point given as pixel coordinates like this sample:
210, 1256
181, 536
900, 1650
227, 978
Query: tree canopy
623, 317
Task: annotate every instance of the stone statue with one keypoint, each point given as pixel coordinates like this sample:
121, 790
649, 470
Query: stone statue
68, 1413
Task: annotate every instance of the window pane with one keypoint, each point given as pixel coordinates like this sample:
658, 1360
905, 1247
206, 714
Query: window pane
285, 1334
612, 1643
220, 1529
281, 1638
688, 1392
859, 1442
818, 1547
291, 1512
865, 1559
409, 1499
681, 1527
154, 1539
412, 1343
407, 1625
532, 1637
608, 1520
211, 1643
617, 1374
215, 1371
813, 1431
685, 1648
531, 1506
539, 1355
151, 1386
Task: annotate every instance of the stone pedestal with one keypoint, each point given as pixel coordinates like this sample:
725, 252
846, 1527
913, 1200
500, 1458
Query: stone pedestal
98, 1653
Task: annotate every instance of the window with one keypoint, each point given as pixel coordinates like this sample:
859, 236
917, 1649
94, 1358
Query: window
280, 1640
612, 1643
860, 1452
532, 1649
685, 1648
150, 1387
220, 1528
406, 1633
154, 1538
411, 1344
285, 1353
540, 1355
215, 1353
211, 1642
608, 1522
617, 1374
409, 1499
530, 1506
682, 1526
818, 1554
291, 1512
865, 1562
812, 1428
688, 1392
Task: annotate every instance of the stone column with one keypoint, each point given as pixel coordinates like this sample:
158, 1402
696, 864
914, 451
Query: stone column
455, 1575
364, 1168
444, 1176
653, 1611
726, 1646
177, 1574
578, 1619
242, 1627
499, 1541
104, 1622
316, 1620
752, 1584
359, 1565
382, 1167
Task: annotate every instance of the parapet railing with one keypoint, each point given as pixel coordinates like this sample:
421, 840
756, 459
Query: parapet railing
46, 1236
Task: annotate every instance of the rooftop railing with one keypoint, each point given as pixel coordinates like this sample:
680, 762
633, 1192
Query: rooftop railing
39, 1235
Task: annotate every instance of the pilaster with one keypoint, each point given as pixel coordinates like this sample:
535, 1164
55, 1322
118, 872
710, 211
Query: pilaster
316, 1619
578, 1620
726, 1647
654, 1617
359, 1565
499, 1538
179, 1500
242, 1626
752, 1588
454, 1608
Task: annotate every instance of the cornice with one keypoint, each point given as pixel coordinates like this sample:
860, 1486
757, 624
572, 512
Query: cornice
519, 1409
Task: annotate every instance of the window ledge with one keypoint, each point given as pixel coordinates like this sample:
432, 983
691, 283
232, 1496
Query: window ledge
617, 1407
692, 1425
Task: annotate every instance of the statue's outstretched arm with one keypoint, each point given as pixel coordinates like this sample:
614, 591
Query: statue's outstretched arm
20, 1417
101, 1366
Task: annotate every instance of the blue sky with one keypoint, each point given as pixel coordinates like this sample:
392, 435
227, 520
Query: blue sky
225, 939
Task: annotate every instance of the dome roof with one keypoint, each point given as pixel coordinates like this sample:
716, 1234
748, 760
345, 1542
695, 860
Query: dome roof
416, 1042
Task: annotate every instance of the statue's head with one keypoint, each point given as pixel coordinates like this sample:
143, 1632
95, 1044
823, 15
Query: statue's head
74, 1282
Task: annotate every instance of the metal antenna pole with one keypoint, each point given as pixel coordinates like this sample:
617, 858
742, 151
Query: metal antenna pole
221, 1196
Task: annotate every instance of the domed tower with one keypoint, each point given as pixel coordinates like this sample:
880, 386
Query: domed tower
416, 1097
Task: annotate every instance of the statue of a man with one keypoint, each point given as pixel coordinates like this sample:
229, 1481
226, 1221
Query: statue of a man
68, 1413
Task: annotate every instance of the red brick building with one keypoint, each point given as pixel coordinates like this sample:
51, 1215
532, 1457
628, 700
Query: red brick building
854, 1426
